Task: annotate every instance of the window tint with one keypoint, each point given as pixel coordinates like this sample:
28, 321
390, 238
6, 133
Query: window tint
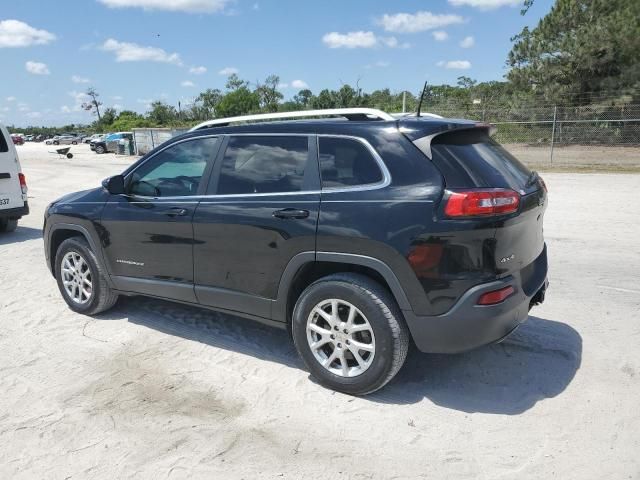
174, 172
255, 164
4, 147
345, 162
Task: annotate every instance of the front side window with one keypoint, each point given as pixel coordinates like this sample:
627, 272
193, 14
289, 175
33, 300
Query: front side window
174, 172
345, 162
263, 164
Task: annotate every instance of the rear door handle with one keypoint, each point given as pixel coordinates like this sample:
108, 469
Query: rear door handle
291, 213
176, 212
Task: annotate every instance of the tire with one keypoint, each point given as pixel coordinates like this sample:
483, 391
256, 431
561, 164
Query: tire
101, 297
74, 143
386, 334
100, 149
56, 143
8, 225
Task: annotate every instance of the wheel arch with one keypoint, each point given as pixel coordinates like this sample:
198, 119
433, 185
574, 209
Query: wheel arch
306, 268
61, 232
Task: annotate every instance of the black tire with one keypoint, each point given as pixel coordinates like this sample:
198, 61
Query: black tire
102, 297
100, 149
74, 143
382, 313
69, 155
8, 225
55, 142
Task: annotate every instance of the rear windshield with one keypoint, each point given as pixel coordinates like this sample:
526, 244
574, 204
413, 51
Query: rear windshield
471, 158
4, 147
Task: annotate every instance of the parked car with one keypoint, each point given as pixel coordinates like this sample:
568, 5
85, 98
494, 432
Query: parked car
13, 186
17, 139
95, 136
65, 140
357, 236
110, 142
29, 138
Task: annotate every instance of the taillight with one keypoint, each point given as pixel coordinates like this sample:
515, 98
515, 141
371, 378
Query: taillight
485, 202
23, 183
543, 183
497, 296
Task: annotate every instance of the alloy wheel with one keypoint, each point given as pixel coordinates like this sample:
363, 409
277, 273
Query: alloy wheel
77, 278
341, 338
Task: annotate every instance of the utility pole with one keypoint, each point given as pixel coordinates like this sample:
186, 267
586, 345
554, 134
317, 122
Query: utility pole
553, 131
404, 102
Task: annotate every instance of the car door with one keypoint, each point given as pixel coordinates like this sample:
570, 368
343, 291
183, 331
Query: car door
147, 232
11, 195
261, 210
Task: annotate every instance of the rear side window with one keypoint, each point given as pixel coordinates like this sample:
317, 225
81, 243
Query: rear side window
345, 162
263, 164
471, 158
4, 147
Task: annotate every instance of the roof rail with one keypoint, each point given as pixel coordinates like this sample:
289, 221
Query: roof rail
413, 114
348, 113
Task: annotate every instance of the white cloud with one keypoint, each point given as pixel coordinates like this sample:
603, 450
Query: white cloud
467, 42
117, 98
11, 99
78, 99
299, 84
455, 64
37, 68
117, 106
486, 4
228, 71
378, 64
360, 40
440, 35
188, 83
14, 33
350, 40
417, 22
78, 79
131, 52
198, 70
34, 115
23, 107
256, 6
189, 6
65, 109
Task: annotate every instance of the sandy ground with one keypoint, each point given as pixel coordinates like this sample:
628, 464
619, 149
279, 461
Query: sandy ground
157, 390
602, 157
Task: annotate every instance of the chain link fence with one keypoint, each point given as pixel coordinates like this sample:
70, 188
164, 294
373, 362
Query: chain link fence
605, 133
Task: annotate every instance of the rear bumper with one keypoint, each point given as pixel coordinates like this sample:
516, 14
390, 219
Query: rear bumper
15, 213
467, 325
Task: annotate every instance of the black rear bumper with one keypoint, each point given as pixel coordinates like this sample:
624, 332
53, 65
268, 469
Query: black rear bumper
468, 325
15, 213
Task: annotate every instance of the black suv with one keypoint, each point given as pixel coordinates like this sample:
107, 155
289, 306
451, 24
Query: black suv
358, 234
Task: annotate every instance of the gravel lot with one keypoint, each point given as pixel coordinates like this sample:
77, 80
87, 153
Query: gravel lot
157, 390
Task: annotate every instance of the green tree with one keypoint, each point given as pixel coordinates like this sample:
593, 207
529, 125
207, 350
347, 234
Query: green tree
268, 94
579, 47
93, 104
162, 114
303, 97
241, 101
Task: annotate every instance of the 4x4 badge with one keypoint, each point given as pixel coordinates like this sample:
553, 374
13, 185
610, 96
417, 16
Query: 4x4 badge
508, 259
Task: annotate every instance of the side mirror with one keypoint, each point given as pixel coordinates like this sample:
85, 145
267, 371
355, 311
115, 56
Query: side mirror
114, 185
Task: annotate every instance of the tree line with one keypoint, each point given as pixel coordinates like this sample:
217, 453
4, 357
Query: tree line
579, 50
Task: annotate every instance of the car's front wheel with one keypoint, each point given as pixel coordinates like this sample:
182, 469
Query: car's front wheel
80, 279
350, 333
100, 149
8, 225
74, 143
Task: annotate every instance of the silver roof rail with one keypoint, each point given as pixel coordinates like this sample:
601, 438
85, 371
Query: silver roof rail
349, 113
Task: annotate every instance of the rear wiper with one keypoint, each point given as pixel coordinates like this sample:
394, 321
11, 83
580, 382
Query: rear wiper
532, 179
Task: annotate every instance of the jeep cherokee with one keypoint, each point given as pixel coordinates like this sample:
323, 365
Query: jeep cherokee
359, 233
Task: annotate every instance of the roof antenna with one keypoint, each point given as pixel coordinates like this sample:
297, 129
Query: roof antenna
424, 90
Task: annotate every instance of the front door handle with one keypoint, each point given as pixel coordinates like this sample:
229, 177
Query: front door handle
176, 212
291, 213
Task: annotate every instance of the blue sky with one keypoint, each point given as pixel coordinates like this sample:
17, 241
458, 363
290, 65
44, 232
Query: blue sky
135, 51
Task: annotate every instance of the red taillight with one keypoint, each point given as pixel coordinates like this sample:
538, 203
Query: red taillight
473, 203
23, 183
497, 296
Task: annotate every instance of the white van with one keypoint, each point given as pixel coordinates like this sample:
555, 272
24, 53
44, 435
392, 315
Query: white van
13, 187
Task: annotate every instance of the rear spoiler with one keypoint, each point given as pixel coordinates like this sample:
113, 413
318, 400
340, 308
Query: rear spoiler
424, 143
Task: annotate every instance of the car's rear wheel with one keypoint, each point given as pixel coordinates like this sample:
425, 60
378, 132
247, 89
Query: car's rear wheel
55, 142
74, 143
350, 333
8, 225
80, 279
100, 149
